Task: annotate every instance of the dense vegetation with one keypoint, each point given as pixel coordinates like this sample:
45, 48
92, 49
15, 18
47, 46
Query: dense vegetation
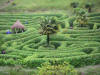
28, 48
71, 36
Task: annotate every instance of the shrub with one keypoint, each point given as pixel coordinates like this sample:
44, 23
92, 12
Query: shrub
63, 24
14, 4
95, 26
56, 44
74, 4
97, 50
45, 47
90, 25
63, 46
79, 61
71, 21
7, 62
87, 50
94, 14
89, 6
64, 69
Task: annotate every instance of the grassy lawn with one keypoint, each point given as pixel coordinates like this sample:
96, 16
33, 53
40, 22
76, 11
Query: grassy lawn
45, 5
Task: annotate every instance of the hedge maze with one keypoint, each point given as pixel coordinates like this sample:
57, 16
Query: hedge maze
79, 47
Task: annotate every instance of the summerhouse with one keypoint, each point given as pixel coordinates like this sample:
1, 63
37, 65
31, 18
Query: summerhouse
18, 27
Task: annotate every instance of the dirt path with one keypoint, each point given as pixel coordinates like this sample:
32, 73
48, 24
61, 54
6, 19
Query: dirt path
84, 70
6, 4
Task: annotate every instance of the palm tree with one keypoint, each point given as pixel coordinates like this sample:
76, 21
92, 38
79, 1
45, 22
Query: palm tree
49, 25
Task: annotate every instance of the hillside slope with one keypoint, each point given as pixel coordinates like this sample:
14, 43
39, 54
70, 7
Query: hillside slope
80, 47
38, 5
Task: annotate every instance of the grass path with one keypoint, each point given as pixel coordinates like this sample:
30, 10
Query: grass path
89, 69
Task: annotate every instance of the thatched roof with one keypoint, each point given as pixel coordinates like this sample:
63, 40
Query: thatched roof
17, 25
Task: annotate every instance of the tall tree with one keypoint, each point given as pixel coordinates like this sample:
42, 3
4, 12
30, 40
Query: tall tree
74, 4
49, 25
89, 6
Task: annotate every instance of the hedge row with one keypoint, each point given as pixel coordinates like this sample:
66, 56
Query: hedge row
77, 61
7, 56
68, 31
94, 14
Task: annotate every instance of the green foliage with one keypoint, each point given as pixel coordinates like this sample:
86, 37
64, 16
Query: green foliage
84, 60
71, 21
87, 50
49, 25
89, 5
65, 68
94, 14
74, 4
95, 26
9, 62
56, 44
81, 17
13, 4
29, 48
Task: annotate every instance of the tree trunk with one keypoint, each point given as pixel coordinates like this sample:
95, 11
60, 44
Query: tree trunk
89, 10
48, 39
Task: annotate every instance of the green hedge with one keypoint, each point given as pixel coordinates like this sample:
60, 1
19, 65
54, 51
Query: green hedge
9, 62
7, 56
76, 61
94, 14
79, 61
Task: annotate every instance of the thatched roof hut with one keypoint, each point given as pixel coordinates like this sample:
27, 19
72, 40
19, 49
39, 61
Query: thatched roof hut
17, 25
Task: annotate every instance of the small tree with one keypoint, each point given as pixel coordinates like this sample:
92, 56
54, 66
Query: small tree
81, 17
74, 4
89, 6
49, 25
71, 21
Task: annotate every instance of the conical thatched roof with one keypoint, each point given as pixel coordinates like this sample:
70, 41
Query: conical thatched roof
17, 25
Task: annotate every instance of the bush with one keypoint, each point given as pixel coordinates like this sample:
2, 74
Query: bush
14, 4
88, 5
74, 4
79, 61
45, 47
71, 21
64, 69
97, 50
87, 50
94, 14
63, 24
7, 62
95, 26
56, 44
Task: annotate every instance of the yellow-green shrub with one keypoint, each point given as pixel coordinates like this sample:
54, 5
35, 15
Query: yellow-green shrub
64, 69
